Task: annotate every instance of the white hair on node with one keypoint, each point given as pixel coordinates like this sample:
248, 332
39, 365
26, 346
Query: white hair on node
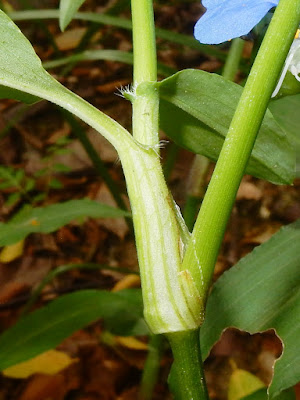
127, 91
156, 147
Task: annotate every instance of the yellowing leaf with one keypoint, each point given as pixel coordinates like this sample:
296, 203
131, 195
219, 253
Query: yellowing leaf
131, 342
242, 383
129, 281
11, 252
51, 362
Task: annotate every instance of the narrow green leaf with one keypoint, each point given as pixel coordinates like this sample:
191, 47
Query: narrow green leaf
179, 38
196, 110
50, 218
286, 113
106, 54
90, 55
47, 327
67, 9
261, 292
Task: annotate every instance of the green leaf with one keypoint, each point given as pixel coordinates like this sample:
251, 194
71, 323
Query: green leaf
50, 218
29, 185
12, 199
47, 327
67, 9
261, 292
55, 184
9, 93
106, 54
21, 69
286, 113
185, 40
289, 87
263, 395
58, 167
243, 383
196, 109
260, 394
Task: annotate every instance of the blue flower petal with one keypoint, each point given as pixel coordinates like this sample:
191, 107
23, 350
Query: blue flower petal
225, 20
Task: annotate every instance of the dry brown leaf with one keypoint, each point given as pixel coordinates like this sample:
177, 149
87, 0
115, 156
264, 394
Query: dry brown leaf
50, 387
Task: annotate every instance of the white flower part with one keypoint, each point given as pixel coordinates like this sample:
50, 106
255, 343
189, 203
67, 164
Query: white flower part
292, 64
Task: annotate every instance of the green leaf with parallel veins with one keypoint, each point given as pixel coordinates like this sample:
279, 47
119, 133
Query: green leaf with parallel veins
67, 10
50, 218
47, 327
286, 113
261, 292
196, 109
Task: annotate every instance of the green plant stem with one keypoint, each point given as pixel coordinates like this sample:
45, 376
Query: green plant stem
145, 101
233, 59
171, 301
207, 235
151, 367
199, 170
144, 48
187, 376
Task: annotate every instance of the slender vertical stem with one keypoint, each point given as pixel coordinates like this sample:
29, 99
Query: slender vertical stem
151, 367
144, 47
145, 100
207, 236
233, 59
196, 181
187, 377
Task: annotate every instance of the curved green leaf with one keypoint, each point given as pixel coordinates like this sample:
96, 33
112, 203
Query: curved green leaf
67, 9
50, 218
196, 110
47, 327
261, 292
21, 69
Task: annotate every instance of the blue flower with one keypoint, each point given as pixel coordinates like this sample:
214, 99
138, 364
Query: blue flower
228, 19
